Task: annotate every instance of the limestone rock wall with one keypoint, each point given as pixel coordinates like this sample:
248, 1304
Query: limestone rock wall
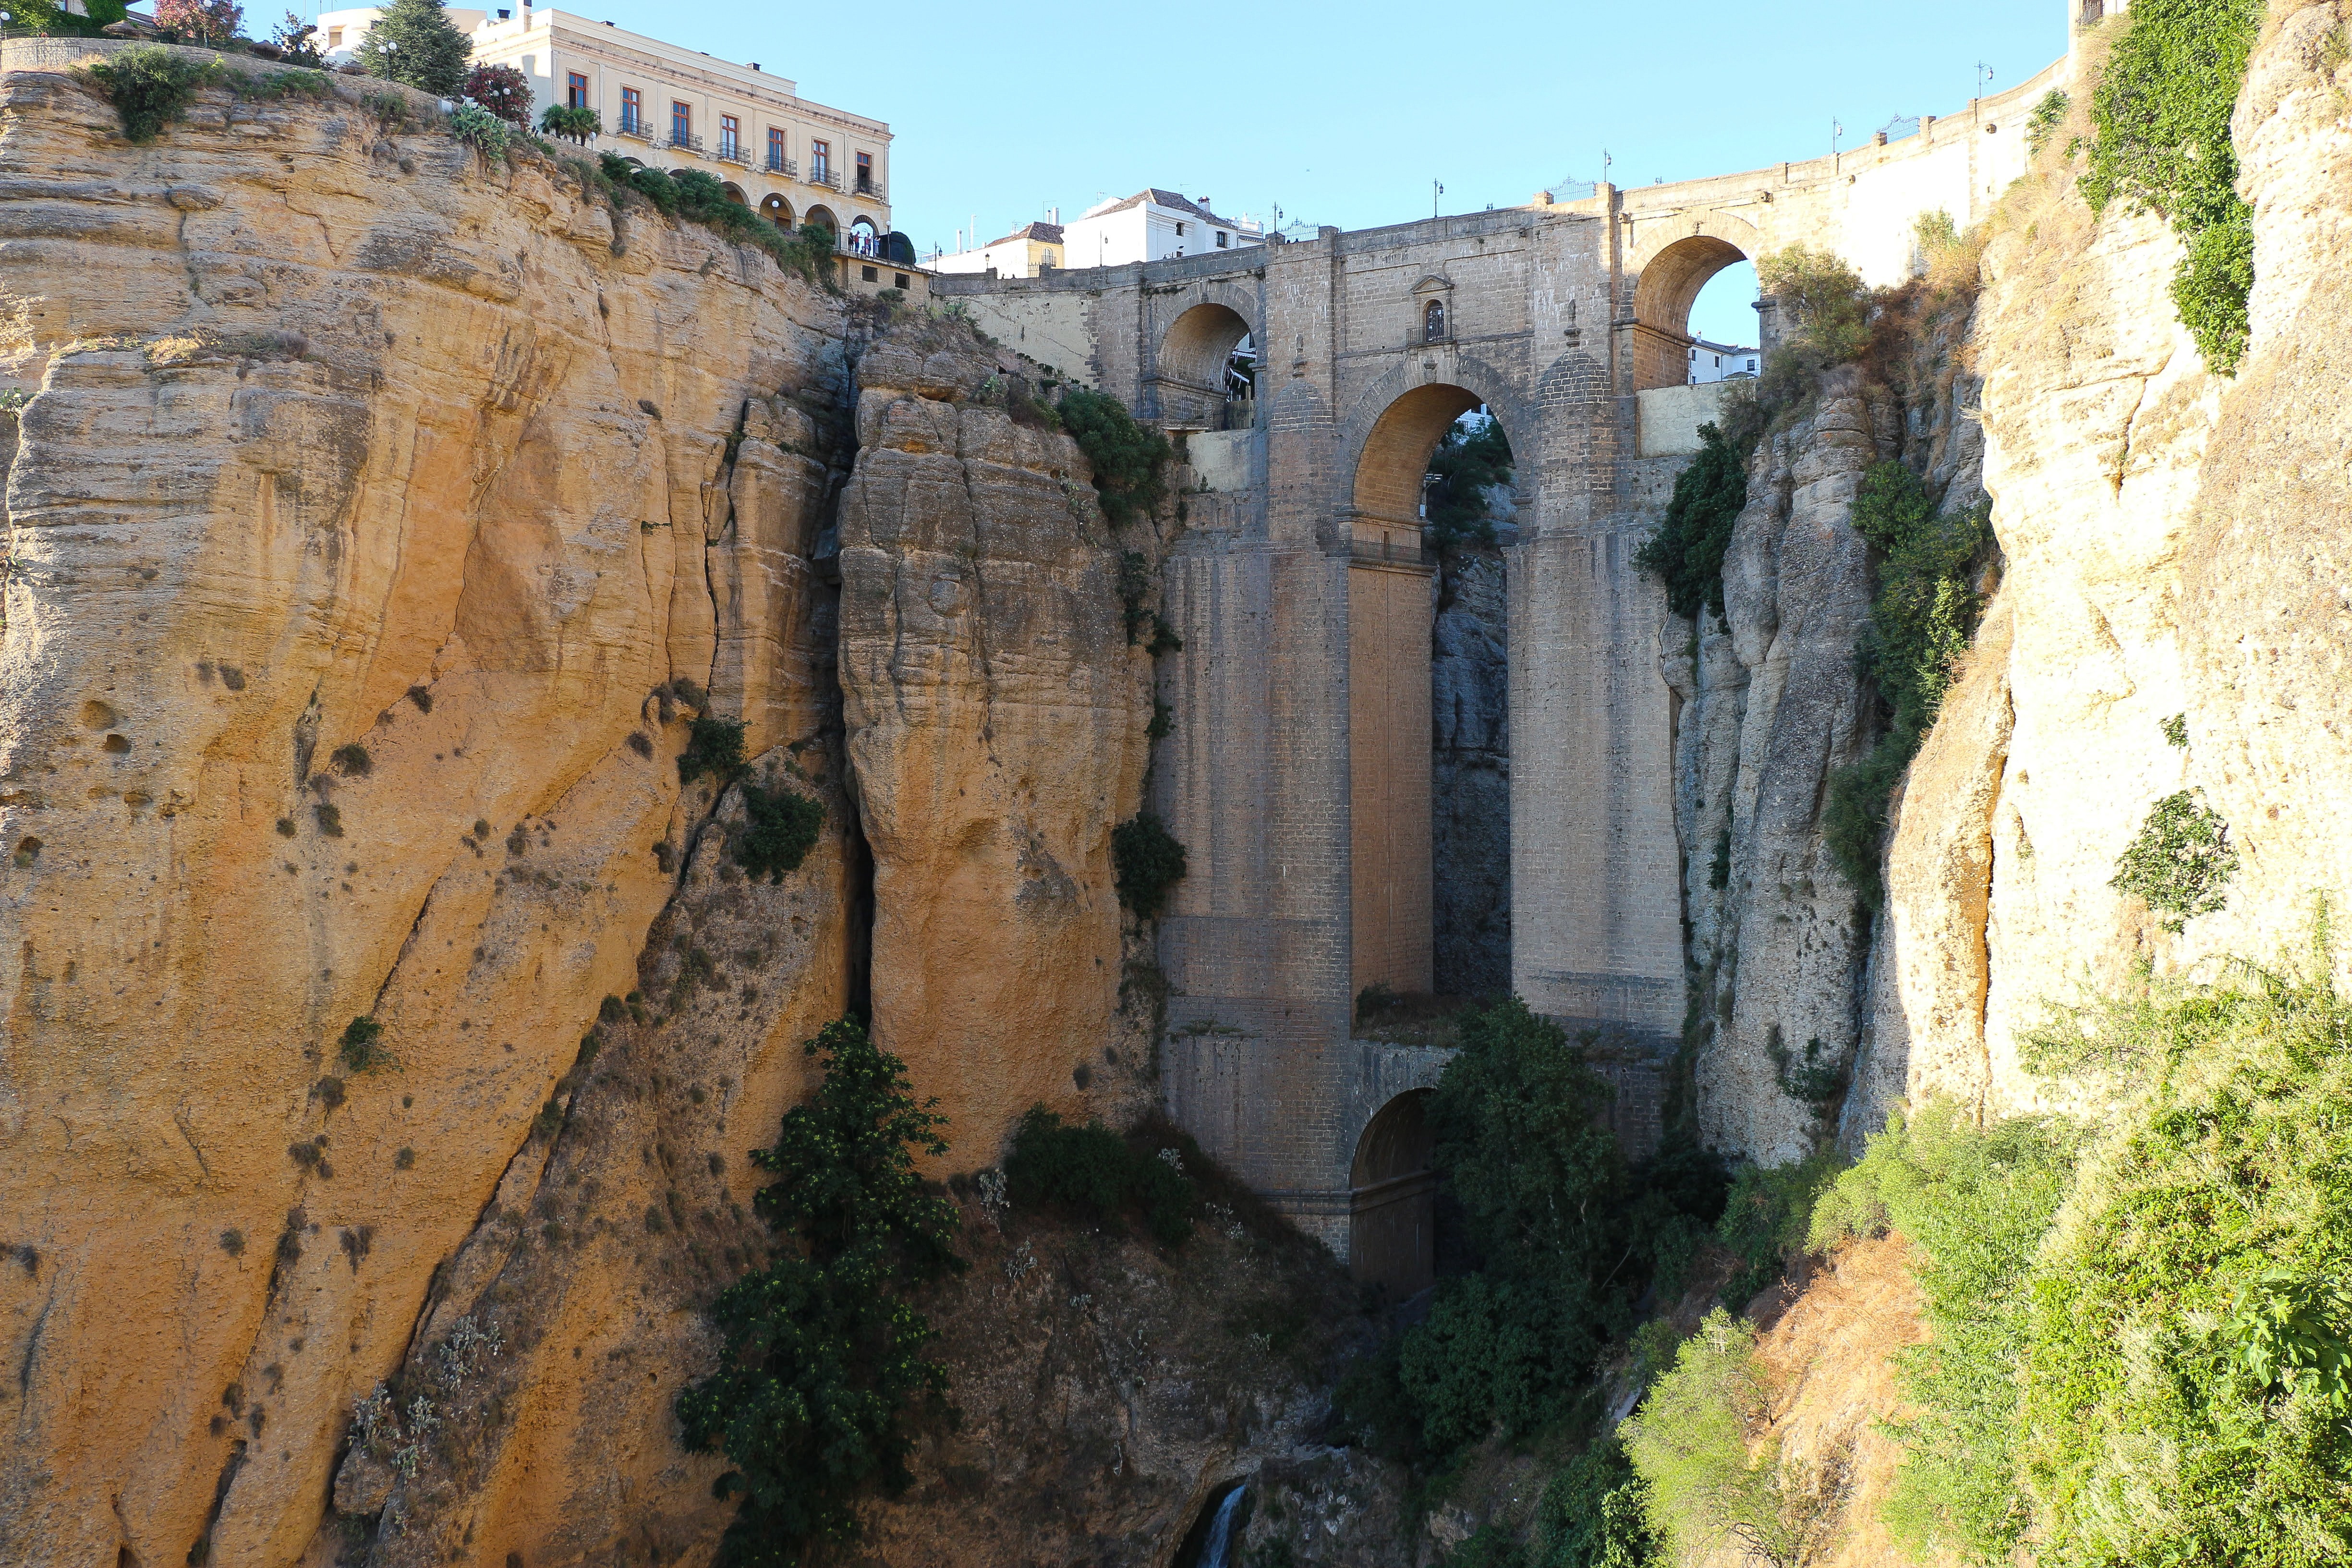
2176, 544
1471, 778
996, 715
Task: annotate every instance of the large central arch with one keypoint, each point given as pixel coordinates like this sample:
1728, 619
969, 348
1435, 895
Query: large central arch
1190, 364
1395, 458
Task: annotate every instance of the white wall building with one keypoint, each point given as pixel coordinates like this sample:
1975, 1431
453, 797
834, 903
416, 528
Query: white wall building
1024, 253
1712, 363
1151, 226
668, 108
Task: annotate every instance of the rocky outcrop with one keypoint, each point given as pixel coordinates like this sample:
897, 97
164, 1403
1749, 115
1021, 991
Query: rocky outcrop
1771, 704
996, 713
1470, 784
381, 518
2173, 539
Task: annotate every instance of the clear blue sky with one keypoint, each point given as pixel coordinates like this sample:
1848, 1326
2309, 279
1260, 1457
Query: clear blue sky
1344, 113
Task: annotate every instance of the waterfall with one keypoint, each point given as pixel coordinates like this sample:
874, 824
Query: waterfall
1217, 1549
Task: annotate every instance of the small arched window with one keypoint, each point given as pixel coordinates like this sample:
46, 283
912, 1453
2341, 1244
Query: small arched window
1432, 322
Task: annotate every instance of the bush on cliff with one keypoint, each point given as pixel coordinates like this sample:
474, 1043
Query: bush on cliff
1920, 623
1147, 862
414, 43
150, 86
2162, 111
781, 827
1686, 553
822, 1362
1093, 1172
51, 18
1125, 457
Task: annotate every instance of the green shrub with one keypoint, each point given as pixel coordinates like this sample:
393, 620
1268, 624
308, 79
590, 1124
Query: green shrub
297, 41
1766, 1220
2180, 861
1705, 1478
414, 43
1920, 623
574, 123
2181, 1394
1092, 1171
821, 1362
1489, 1546
1825, 320
1974, 1205
1125, 457
2162, 116
1543, 1189
1135, 591
1470, 459
1686, 553
151, 86
362, 1047
1590, 1515
2048, 115
782, 826
1147, 862
713, 746
481, 130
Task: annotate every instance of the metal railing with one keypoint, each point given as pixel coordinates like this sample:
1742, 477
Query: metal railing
635, 129
826, 177
868, 188
779, 164
732, 153
683, 143
1396, 551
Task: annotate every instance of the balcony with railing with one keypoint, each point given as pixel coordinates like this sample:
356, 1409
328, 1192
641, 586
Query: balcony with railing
732, 153
869, 190
821, 175
635, 129
778, 163
688, 144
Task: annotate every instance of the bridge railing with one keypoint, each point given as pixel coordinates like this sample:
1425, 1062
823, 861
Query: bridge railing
1397, 551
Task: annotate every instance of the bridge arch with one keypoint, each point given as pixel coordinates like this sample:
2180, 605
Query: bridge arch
1396, 426
1187, 384
1392, 1200
1671, 266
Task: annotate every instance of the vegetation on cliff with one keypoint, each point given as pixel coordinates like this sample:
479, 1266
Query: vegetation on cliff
2140, 1337
2162, 111
1147, 863
1125, 457
824, 1361
1920, 623
1686, 553
1094, 1173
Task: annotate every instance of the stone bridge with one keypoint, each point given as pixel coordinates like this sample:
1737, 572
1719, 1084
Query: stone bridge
1298, 774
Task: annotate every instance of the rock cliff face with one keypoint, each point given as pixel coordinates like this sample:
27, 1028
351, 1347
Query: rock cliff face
379, 518
2166, 539
2175, 545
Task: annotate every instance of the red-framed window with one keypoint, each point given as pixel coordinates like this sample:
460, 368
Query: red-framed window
575, 90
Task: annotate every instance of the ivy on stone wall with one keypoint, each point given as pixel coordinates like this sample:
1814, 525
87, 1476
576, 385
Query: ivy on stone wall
1686, 553
2162, 112
1125, 457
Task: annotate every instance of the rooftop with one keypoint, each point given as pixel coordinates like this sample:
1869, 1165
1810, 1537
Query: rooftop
1159, 197
1043, 233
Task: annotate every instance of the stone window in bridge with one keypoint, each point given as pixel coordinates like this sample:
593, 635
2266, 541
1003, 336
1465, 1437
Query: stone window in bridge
1432, 322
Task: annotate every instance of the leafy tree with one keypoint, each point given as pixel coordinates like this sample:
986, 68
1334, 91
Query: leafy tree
781, 827
1590, 1514
50, 18
1471, 457
414, 42
823, 1358
1686, 553
199, 21
574, 124
2179, 860
503, 90
1542, 1186
294, 38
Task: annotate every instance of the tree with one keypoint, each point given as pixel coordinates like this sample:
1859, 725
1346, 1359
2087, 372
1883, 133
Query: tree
293, 38
503, 90
51, 17
581, 125
199, 21
822, 1352
1473, 457
414, 42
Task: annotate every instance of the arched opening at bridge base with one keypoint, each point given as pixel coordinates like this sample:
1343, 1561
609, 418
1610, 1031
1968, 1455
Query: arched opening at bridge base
1670, 282
1192, 372
1392, 1201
